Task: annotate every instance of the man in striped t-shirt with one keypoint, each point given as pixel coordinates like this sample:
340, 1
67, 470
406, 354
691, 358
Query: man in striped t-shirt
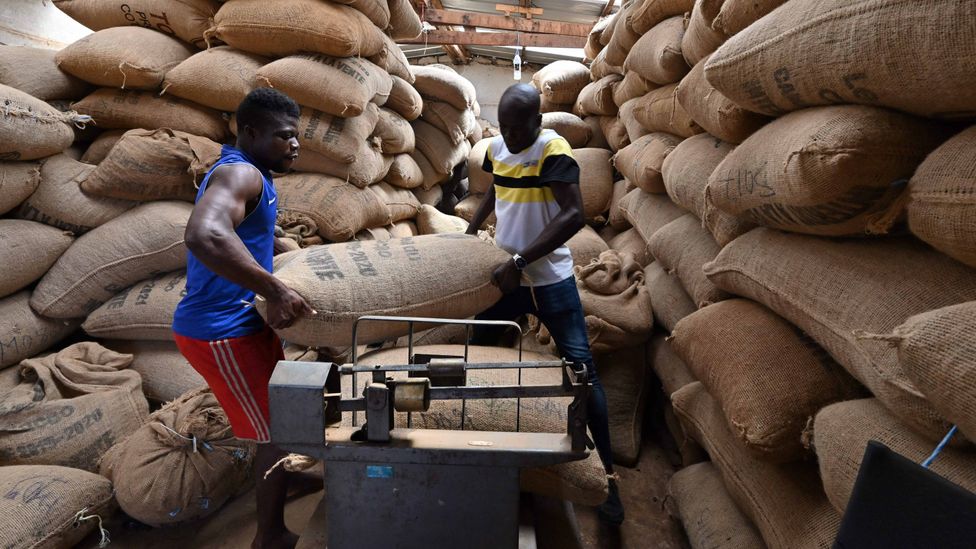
538, 205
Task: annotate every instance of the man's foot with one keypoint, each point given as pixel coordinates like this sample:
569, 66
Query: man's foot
281, 540
612, 510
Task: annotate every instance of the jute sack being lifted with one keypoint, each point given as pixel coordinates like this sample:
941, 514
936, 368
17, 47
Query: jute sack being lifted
123, 57
153, 165
337, 86
339, 209
785, 502
832, 171
27, 251
641, 161
165, 372
59, 201
18, 180
144, 241
682, 247
183, 464
187, 20
713, 111
827, 52
768, 377
132, 109
35, 72
31, 129
143, 311
345, 281
47, 507
706, 510
26, 333
943, 195
656, 56
70, 407
289, 27
671, 301
582, 482
842, 431
804, 279
561, 81
219, 78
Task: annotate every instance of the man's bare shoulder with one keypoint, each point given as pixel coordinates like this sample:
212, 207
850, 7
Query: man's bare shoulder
241, 179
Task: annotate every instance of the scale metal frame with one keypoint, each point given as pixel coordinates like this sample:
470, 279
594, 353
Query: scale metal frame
419, 488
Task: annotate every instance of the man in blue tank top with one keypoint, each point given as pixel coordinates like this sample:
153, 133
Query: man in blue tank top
230, 237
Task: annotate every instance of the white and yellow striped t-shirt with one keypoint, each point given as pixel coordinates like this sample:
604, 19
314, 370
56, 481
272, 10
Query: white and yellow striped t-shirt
524, 203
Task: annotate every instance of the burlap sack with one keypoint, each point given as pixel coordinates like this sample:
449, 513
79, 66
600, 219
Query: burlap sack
339, 209
437, 147
804, 279
404, 172
822, 53
608, 25
375, 233
392, 59
368, 278
596, 99
341, 139
34, 72
624, 37
131, 109
123, 57
219, 78
561, 81
597, 138
593, 43
456, 124
187, 20
582, 482
31, 128
546, 106
401, 203
615, 131
405, 229
165, 373
143, 311
569, 126
586, 246
405, 24
631, 87
623, 375
599, 68
641, 161
833, 171
153, 165
706, 510
701, 38
645, 16
713, 111
433, 196
113, 257
660, 111
649, 212
612, 289
18, 180
682, 247
394, 132
616, 218
736, 15
768, 377
404, 99
668, 367
657, 56
670, 300
27, 250
370, 166
444, 85
943, 192
431, 221
934, 350
841, 433
377, 11
24, 332
289, 27
48, 507
595, 181
631, 242
70, 407
337, 86
59, 201
161, 475
785, 502
101, 146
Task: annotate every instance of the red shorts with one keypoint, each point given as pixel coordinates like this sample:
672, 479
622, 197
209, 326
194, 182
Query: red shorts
238, 371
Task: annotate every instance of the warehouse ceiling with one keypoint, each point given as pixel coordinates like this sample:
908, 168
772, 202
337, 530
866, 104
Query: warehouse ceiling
555, 41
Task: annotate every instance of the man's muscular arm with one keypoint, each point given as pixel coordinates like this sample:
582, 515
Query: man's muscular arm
211, 236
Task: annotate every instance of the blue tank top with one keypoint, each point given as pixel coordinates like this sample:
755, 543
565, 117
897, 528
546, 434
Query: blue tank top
214, 307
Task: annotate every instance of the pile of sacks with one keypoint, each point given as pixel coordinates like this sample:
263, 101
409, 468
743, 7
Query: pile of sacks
769, 177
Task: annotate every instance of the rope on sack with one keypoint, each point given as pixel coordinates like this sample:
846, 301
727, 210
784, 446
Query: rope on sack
293, 463
938, 449
82, 516
192, 439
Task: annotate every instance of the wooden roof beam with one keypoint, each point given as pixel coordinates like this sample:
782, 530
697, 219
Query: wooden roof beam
501, 22
498, 39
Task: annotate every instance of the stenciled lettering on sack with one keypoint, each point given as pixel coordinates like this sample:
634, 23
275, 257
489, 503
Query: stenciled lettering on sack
760, 100
361, 259
39, 491
157, 21
410, 249
323, 265
855, 202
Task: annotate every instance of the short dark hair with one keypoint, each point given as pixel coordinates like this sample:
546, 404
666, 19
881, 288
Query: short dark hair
261, 104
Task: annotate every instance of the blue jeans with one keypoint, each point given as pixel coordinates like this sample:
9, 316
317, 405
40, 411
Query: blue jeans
560, 310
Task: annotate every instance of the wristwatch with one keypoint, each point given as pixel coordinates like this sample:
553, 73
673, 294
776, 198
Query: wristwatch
520, 262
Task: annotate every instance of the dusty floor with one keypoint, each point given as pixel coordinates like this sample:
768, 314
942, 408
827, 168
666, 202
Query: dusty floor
643, 488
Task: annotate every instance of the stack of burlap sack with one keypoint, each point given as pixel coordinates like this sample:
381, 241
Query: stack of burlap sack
805, 213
